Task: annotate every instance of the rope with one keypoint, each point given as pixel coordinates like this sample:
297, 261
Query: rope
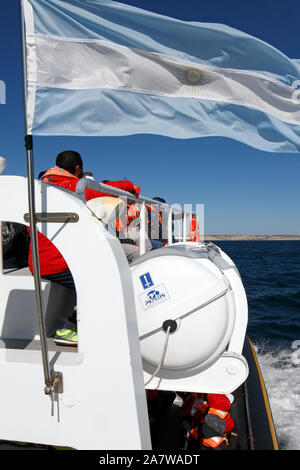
162, 357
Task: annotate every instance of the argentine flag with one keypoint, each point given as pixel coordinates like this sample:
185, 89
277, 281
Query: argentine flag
101, 68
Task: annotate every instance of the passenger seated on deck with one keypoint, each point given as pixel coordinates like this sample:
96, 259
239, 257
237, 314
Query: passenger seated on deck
155, 227
213, 435
131, 244
219, 405
68, 171
158, 224
128, 231
197, 407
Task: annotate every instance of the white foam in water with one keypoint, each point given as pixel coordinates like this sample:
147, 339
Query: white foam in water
281, 373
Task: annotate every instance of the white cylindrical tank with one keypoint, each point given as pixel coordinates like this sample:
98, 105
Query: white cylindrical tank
184, 287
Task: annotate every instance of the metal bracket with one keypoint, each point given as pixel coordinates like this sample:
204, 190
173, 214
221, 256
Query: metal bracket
57, 381
55, 387
58, 217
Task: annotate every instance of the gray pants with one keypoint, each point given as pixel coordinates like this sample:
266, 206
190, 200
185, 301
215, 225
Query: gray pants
131, 251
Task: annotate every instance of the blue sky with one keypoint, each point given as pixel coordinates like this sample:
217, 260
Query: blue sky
245, 191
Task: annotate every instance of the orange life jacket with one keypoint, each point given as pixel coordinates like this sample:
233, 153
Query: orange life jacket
213, 442
132, 213
54, 174
154, 225
194, 230
220, 413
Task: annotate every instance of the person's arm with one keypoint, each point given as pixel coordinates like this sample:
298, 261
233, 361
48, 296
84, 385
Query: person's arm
125, 185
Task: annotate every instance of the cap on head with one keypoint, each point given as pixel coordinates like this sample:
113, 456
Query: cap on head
159, 199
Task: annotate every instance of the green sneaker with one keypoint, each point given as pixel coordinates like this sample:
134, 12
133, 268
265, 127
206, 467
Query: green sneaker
67, 335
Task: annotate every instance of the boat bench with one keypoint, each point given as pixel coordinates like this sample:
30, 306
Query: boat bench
18, 313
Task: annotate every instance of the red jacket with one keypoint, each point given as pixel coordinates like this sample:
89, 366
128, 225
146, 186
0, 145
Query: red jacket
51, 260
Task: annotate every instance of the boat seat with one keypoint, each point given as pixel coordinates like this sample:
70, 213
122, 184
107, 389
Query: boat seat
33, 345
18, 313
17, 272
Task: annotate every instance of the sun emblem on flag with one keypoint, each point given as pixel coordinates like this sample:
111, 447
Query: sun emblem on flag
194, 76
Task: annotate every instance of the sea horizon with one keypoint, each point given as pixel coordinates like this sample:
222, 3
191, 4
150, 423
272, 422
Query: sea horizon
241, 237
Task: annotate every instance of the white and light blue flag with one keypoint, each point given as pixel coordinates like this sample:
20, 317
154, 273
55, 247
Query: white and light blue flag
101, 68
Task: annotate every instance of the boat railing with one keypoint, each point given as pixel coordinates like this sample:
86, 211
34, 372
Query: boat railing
170, 212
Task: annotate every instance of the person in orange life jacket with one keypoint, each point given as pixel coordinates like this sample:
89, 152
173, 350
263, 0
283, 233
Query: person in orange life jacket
194, 235
219, 405
68, 171
128, 231
212, 434
154, 220
122, 223
158, 224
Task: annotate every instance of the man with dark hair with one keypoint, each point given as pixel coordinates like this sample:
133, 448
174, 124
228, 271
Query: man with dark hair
71, 161
68, 171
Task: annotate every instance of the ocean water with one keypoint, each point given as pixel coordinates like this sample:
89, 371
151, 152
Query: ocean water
270, 271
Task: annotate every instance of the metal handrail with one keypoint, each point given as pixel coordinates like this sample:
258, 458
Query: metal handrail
181, 215
85, 183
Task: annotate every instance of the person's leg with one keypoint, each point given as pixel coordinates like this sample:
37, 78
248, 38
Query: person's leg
156, 244
68, 334
131, 251
65, 279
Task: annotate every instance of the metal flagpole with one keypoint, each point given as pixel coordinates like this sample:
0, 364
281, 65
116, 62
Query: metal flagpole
32, 220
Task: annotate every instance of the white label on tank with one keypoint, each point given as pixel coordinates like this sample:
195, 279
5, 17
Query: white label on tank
155, 296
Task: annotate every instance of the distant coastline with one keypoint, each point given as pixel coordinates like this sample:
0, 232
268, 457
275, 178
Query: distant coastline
250, 237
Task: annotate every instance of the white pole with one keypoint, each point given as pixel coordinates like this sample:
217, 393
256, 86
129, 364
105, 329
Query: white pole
143, 229
170, 227
179, 225
184, 226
